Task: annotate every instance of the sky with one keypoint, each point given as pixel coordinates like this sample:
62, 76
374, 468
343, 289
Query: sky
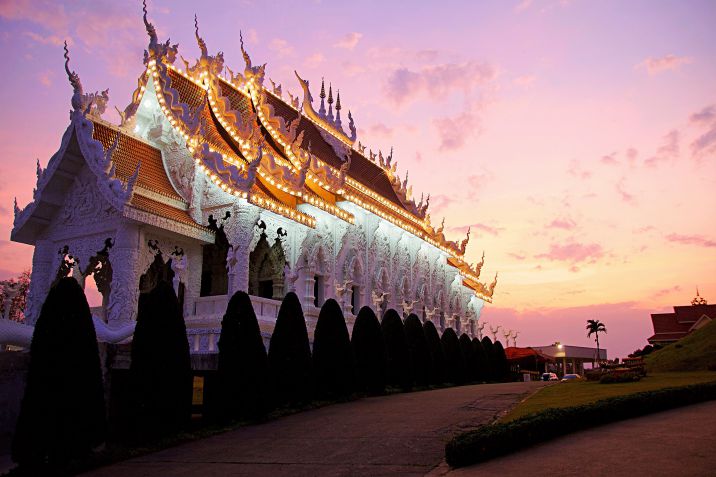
577, 139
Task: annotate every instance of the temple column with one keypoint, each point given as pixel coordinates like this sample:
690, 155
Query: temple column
41, 278
240, 234
193, 278
124, 291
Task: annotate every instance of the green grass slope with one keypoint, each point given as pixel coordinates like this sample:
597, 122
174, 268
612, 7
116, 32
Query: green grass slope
696, 351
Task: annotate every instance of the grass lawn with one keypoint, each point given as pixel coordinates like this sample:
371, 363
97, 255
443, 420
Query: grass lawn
584, 392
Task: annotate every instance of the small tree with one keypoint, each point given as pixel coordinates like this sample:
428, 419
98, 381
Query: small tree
396, 348
289, 355
369, 352
468, 358
491, 362
482, 364
594, 327
421, 362
502, 367
160, 370
15, 307
437, 374
332, 353
62, 415
454, 363
242, 371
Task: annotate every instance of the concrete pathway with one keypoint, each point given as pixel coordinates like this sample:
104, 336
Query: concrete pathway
400, 434
677, 442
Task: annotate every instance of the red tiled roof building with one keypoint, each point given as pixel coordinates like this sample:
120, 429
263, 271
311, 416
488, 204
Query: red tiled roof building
670, 327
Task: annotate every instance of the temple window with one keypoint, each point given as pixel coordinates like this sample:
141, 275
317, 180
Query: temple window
318, 282
214, 275
355, 299
266, 269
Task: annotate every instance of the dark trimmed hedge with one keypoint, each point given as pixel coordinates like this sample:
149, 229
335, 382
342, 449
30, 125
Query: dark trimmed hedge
62, 414
332, 353
437, 374
160, 370
502, 367
421, 361
454, 363
289, 355
491, 441
489, 347
369, 352
482, 364
243, 366
396, 348
467, 357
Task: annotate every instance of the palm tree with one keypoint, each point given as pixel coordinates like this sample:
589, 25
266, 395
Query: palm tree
594, 327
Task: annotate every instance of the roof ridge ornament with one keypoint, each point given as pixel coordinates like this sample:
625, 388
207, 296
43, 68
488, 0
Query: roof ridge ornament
251, 72
329, 116
322, 108
463, 244
698, 300
78, 97
199, 39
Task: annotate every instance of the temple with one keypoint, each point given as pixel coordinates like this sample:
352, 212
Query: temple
671, 327
215, 182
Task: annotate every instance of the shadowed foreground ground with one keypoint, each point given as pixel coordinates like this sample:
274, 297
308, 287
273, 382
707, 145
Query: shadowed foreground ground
401, 434
679, 442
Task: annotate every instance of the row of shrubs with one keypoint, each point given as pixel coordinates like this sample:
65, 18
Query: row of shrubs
63, 414
489, 441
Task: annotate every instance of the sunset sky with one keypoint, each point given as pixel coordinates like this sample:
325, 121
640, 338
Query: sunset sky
577, 139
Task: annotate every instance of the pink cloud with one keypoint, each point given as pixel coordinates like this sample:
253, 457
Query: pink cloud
666, 291
349, 41
697, 240
609, 159
380, 130
522, 6
45, 78
575, 170
705, 116
454, 131
525, 81
631, 155
705, 143
565, 224
655, 65
624, 195
440, 202
315, 60
404, 84
517, 256
477, 227
573, 252
281, 46
667, 151
47, 40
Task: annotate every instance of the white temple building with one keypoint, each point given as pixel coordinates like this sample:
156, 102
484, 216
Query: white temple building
216, 182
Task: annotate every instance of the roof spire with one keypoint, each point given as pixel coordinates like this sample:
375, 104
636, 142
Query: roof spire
322, 109
151, 31
698, 300
330, 104
247, 59
338, 123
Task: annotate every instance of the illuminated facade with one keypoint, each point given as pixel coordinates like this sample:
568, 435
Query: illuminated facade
218, 183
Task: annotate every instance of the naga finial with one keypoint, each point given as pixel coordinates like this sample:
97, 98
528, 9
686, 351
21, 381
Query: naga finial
151, 31
463, 244
74, 78
247, 59
200, 40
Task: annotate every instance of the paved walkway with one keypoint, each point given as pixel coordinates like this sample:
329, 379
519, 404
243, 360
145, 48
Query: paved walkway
677, 442
400, 434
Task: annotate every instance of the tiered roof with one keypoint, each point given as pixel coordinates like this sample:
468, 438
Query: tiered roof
670, 327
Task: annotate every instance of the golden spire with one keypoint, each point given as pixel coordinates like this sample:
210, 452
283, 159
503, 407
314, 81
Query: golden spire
698, 300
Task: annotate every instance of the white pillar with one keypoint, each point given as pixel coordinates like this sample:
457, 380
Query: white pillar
124, 291
42, 275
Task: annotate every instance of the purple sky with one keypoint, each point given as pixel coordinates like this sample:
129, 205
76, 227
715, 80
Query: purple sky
577, 138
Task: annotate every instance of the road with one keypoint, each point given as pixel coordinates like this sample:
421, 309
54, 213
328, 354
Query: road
401, 434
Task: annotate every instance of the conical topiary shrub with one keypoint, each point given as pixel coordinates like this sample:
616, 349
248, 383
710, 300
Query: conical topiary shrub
396, 348
480, 359
289, 355
437, 354
489, 348
332, 353
369, 352
160, 370
467, 358
421, 362
62, 415
454, 365
242, 372
502, 367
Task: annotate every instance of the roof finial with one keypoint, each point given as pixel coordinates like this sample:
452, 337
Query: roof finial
247, 59
200, 40
698, 300
338, 123
151, 31
74, 81
330, 104
322, 109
